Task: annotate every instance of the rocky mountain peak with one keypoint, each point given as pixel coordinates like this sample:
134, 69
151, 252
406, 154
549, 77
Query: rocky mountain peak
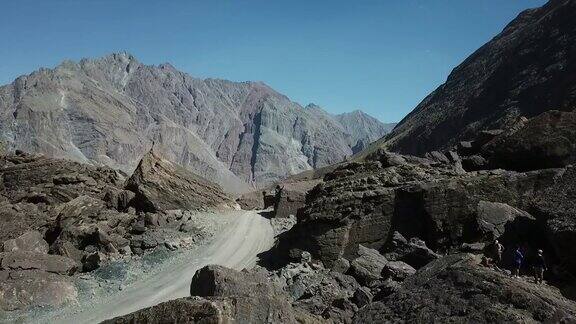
524, 71
109, 110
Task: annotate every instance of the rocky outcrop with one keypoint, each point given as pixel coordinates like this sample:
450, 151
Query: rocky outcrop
24, 289
366, 202
495, 218
161, 185
29, 277
60, 217
545, 141
112, 110
258, 300
367, 267
556, 206
18, 260
318, 291
37, 189
524, 71
414, 251
291, 196
457, 289
183, 310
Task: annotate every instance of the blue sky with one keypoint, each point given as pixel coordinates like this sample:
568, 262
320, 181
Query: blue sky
382, 57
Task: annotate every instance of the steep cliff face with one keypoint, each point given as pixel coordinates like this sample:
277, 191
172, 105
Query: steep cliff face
111, 111
526, 70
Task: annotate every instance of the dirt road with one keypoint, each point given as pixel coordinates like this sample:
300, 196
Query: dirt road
236, 247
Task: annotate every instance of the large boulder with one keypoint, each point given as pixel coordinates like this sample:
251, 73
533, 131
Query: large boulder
494, 219
397, 270
30, 288
34, 188
557, 207
456, 289
183, 310
253, 200
545, 141
413, 251
257, 299
367, 267
161, 185
291, 196
31, 241
19, 260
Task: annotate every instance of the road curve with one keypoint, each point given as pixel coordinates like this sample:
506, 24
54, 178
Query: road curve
237, 247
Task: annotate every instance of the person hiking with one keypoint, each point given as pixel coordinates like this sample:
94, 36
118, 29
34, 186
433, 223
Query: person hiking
498, 249
539, 267
518, 258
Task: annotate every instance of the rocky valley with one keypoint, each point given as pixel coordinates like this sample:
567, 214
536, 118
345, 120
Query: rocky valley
138, 194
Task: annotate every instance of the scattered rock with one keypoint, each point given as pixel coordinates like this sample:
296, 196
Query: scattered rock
456, 289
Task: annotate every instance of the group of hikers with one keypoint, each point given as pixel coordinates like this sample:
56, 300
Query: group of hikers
538, 263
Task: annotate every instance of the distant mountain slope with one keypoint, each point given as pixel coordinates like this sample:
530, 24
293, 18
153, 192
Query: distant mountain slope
111, 110
527, 69
364, 128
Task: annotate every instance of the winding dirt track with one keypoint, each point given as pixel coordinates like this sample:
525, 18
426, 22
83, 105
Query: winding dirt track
236, 247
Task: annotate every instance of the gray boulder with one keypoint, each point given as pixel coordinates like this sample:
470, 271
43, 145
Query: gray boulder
414, 251
161, 185
493, 218
397, 270
20, 260
23, 289
31, 241
258, 299
362, 296
367, 267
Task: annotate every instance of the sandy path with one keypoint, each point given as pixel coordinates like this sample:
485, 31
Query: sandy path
236, 247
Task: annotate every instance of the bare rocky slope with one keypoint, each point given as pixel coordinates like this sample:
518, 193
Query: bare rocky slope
59, 218
112, 110
529, 68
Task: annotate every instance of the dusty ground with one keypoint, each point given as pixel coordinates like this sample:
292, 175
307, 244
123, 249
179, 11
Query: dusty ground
124, 286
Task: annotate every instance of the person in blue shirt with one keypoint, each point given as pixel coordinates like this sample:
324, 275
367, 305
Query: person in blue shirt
518, 259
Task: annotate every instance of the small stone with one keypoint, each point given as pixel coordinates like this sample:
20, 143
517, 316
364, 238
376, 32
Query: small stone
341, 265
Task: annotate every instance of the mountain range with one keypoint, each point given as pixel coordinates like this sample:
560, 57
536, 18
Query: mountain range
112, 110
527, 69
